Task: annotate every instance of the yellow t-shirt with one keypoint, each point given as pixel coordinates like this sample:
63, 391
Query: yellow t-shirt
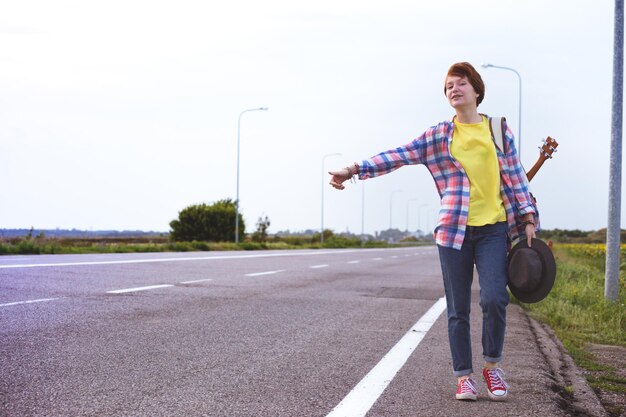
473, 147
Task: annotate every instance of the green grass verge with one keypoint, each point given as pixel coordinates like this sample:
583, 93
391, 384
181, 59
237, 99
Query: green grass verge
579, 314
23, 246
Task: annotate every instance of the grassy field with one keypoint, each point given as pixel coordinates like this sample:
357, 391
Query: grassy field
576, 307
582, 318
45, 245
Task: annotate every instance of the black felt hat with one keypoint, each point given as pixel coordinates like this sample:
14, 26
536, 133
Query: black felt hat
531, 270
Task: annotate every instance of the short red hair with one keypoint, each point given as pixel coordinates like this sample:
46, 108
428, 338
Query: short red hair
465, 69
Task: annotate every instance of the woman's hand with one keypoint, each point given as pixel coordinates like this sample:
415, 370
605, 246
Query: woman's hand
338, 177
530, 233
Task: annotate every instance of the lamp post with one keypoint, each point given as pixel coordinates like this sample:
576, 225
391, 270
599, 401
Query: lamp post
429, 215
419, 216
391, 206
323, 184
363, 212
237, 200
611, 277
519, 128
408, 203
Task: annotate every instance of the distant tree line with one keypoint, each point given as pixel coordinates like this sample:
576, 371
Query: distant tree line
577, 236
76, 233
216, 223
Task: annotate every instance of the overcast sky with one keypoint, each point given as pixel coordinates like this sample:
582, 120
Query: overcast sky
118, 114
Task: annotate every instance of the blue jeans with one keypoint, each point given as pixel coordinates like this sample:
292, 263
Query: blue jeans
485, 246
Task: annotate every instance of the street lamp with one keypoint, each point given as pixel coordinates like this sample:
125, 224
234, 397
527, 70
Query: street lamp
363, 212
433, 219
391, 206
237, 200
519, 128
408, 203
419, 215
323, 186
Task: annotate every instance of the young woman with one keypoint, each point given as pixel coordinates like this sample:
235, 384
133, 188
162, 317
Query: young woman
485, 204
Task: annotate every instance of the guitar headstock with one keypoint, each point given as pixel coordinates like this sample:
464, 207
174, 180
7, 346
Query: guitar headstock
548, 148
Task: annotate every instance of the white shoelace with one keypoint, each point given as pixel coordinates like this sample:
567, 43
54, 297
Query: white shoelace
468, 385
496, 379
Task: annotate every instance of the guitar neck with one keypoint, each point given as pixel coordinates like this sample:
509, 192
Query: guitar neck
530, 174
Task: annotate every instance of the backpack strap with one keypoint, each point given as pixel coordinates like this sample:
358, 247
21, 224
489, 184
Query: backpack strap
496, 125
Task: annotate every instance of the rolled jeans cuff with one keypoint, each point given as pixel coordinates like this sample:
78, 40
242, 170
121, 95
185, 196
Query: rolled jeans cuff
492, 359
464, 372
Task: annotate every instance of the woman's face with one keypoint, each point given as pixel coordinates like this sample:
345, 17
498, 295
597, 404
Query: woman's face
460, 92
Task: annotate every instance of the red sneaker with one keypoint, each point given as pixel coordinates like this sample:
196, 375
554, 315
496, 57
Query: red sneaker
497, 387
466, 390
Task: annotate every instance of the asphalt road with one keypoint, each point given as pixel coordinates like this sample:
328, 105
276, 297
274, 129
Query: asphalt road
263, 333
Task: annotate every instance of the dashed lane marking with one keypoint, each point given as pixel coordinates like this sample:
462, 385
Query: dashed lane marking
15, 303
258, 274
319, 266
196, 281
149, 287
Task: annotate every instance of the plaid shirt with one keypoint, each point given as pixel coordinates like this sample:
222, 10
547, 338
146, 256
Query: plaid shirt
432, 149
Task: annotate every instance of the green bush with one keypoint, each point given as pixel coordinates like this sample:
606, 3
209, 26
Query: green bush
260, 234
212, 223
203, 246
253, 245
341, 242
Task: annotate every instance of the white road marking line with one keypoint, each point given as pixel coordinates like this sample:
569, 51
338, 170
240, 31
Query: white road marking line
394, 256
362, 397
258, 274
378, 259
354, 262
197, 280
199, 258
41, 300
319, 266
149, 287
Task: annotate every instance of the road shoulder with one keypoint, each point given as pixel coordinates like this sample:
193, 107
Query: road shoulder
574, 395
